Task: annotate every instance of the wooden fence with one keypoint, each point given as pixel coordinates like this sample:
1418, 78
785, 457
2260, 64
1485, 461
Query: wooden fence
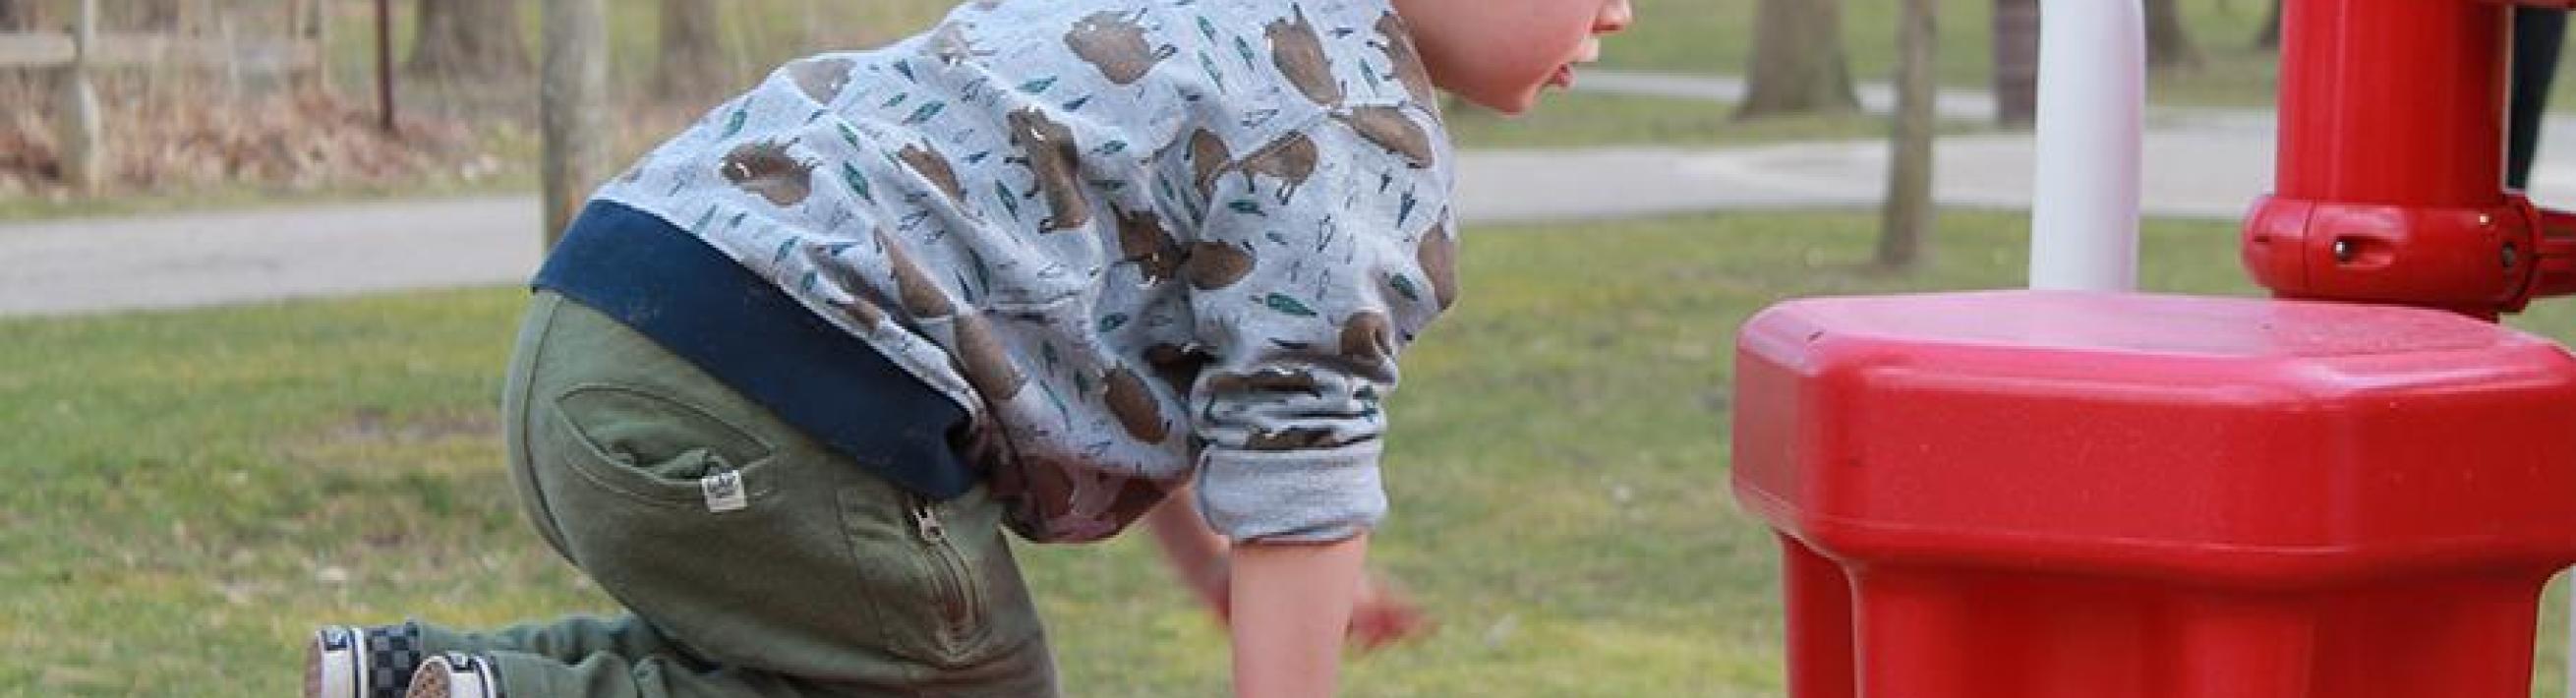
84, 50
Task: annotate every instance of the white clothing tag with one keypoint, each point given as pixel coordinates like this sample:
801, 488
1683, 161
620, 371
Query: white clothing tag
723, 491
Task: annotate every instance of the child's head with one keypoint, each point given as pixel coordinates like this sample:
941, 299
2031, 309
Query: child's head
1500, 53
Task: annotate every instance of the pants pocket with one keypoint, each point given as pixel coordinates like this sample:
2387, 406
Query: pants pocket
659, 449
728, 541
951, 594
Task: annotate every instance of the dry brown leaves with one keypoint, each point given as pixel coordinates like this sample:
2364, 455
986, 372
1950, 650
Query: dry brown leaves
162, 138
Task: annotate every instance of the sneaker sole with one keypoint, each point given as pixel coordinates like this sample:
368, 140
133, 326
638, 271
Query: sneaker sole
454, 676
335, 663
428, 684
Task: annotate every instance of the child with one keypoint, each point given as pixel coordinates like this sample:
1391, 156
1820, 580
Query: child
785, 381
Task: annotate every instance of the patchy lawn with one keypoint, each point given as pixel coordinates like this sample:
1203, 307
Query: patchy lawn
196, 489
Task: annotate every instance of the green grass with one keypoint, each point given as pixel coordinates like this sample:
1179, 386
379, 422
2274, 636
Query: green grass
1588, 120
1716, 37
196, 489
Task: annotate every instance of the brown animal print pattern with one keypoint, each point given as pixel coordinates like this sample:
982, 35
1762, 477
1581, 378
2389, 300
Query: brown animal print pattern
1291, 160
1215, 265
1438, 257
1134, 405
1390, 128
1209, 159
1050, 149
1114, 43
934, 167
765, 168
1299, 55
1398, 47
1141, 240
953, 47
1367, 337
920, 293
987, 363
867, 314
821, 78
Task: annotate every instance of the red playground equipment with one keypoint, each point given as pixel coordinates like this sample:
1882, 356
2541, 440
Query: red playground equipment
2026, 494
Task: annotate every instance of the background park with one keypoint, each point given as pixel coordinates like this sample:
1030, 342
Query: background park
204, 458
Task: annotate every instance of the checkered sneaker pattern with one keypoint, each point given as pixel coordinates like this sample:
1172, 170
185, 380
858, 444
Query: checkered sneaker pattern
348, 662
393, 651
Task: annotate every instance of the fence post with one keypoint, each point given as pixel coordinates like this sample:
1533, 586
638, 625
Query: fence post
385, 66
82, 139
308, 24
572, 107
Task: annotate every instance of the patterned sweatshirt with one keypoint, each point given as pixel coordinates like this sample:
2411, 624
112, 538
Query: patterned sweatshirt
1136, 240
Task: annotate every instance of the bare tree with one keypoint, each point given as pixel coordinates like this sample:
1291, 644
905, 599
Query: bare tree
469, 41
691, 62
1798, 64
21, 15
1907, 216
2016, 51
2168, 42
149, 15
572, 108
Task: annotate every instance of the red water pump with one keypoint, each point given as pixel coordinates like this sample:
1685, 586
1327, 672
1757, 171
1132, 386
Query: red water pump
2391, 186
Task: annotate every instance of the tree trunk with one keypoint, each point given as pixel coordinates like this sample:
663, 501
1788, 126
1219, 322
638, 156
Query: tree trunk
80, 134
691, 65
1798, 65
2269, 37
148, 15
2016, 62
2168, 43
572, 109
21, 15
469, 42
1907, 217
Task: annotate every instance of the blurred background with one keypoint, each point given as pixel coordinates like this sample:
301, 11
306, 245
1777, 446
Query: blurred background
253, 323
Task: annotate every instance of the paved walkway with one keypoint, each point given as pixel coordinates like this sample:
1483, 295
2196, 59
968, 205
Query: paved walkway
2200, 163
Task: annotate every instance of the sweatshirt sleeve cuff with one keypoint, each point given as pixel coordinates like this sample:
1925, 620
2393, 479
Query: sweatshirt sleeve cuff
1303, 496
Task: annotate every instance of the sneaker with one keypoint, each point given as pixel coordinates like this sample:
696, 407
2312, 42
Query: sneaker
350, 662
455, 675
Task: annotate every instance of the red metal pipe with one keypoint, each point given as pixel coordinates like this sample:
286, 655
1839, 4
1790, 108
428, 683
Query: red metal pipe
2394, 101
2391, 161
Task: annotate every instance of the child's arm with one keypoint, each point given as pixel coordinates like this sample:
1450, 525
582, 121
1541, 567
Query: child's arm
1292, 601
1324, 249
1381, 612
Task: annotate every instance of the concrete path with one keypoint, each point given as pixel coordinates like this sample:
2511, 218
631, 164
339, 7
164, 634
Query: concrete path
2200, 163
1963, 105
94, 265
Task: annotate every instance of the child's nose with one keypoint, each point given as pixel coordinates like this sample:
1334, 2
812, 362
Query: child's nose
1614, 18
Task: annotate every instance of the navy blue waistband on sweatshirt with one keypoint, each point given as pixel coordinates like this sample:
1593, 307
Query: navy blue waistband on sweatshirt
700, 305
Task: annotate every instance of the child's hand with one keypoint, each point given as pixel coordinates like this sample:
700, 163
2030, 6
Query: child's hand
1382, 614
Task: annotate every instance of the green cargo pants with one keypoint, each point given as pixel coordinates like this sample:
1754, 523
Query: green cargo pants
752, 560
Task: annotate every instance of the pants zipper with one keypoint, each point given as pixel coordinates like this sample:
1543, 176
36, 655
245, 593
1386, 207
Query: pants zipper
952, 578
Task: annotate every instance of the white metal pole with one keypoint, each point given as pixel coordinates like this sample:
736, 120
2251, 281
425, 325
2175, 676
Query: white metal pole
2092, 94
